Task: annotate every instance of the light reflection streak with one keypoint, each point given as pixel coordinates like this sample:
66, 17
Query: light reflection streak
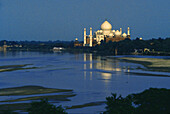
91, 66
106, 76
85, 67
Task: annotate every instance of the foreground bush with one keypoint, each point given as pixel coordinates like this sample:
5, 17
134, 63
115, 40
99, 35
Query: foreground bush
44, 107
151, 101
119, 105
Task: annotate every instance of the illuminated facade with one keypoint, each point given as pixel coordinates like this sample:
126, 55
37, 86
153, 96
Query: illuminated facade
105, 34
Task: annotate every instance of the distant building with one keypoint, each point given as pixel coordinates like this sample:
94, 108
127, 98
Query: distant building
4, 47
77, 43
105, 34
8, 46
58, 49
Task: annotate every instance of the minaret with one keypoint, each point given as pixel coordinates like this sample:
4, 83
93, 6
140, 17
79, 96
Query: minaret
128, 33
90, 37
121, 31
84, 36
4, 46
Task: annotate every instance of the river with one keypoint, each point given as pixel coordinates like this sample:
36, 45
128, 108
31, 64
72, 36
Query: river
91, 77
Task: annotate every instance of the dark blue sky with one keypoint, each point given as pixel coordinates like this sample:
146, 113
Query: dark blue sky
65, 19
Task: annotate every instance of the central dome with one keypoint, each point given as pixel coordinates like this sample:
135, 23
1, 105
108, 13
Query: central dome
106, 26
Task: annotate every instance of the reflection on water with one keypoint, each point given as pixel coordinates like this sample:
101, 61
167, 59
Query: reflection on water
106, 76
85, 67
103, 65
3, 53
91, 66
88, 57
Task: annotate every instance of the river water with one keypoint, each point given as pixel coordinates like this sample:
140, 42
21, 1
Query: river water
91, 77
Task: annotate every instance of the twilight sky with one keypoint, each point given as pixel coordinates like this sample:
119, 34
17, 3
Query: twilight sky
65, 19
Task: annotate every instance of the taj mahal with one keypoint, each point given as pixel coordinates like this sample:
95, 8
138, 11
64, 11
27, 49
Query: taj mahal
105, 34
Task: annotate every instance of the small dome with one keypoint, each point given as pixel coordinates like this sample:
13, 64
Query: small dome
124, 35
106, 26
117, 33
101, 31
111, 34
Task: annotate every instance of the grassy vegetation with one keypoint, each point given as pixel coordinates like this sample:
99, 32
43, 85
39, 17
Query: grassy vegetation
16, 106
15, 67
50, 97
38, 107
147, 74
25, 106
30, 90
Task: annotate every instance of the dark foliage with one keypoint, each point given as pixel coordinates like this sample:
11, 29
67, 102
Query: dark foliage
36, 45
151, 101
155, 101
44, 107
128, 46
119, 105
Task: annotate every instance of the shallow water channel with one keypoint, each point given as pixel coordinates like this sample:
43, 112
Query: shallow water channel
91, 77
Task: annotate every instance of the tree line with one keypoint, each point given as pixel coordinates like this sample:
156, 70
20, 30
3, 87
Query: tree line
127, 46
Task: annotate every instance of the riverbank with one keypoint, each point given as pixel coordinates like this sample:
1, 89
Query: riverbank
152, 64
